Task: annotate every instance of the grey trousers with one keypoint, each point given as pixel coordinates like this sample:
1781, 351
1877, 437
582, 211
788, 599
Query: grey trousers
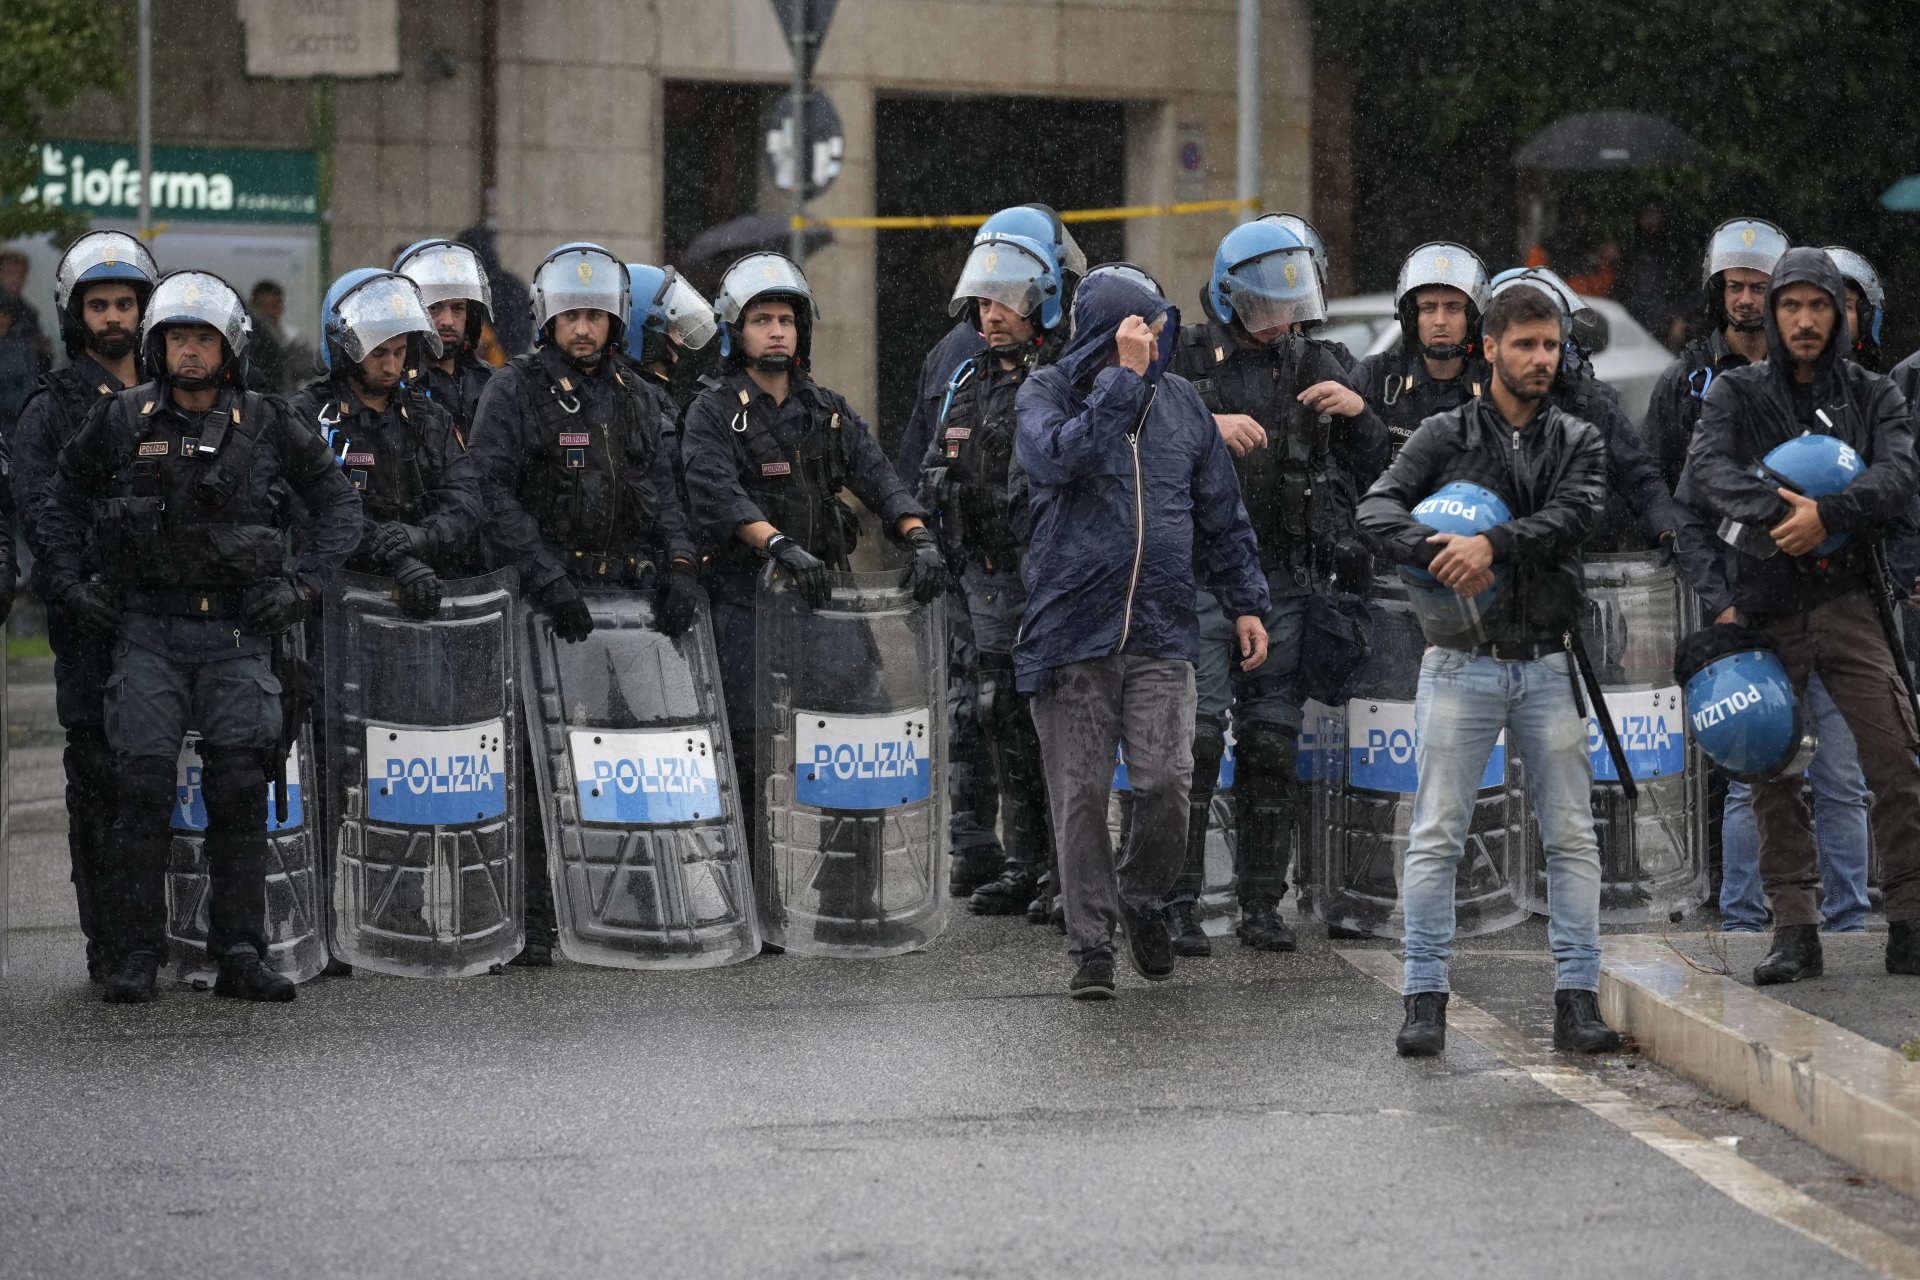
1144, 706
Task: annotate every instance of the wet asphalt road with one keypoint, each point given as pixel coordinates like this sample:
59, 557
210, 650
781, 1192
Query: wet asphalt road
945, 1113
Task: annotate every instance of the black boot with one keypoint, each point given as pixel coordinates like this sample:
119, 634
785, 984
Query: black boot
1577, 1026
133, 979
243, 976
1189, 939
1903, 946
1424, 1033
1262, 928
1795, 955
534, 955
973, 868
1007, 896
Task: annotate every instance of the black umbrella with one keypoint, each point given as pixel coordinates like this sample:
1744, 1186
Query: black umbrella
1607, 140
756, 231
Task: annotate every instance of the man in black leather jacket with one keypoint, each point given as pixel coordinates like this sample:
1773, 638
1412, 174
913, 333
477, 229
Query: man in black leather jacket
1815, 605
1549, 469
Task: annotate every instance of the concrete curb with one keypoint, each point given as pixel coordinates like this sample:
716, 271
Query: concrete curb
1856, 1100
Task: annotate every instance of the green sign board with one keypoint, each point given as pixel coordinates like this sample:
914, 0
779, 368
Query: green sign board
190, 184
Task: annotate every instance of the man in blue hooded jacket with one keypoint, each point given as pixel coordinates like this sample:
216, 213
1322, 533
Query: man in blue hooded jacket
1124, 467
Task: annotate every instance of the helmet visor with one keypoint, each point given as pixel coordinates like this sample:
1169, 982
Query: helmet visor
757, 275
445, 272
1452, 265
102, 255
198, 297
1004, 272
689, 316
381, 309
1860, 273
1751, 244
1274, 290
578, 280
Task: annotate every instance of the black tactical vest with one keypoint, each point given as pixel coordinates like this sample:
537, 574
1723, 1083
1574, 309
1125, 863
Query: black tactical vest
797, 488
1404, 402
976, 429
380, 454
181, 510
588, 484
76, 398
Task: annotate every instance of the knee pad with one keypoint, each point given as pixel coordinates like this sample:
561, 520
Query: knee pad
234, 786
1209, 744
147, 785
1265, 761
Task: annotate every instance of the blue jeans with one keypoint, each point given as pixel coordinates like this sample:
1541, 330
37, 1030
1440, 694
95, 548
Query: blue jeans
1839, 825
1463, 703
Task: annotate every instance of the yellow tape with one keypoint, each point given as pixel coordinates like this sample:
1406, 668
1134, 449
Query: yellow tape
930, 222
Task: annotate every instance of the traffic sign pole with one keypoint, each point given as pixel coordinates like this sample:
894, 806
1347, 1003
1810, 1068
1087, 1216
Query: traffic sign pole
802, 162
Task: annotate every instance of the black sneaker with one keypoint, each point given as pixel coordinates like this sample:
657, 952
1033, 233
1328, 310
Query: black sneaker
1577, 1026
534, 955
1007, 896
1796, 954
1093, 980
133, 979
1424, 1033
1903, 946
1189, 939
1149, 945
243, 976
1262, 928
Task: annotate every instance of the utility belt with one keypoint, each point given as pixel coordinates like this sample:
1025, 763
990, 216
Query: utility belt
610, 571
1520, 650
183, 602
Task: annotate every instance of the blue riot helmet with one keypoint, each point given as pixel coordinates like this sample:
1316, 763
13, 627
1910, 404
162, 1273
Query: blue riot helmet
1814, 466
668, 315
97, 257
448, 271
1446, 617
1263, 279
1741, 708
1750, 243
1304, 232
196, 297
1444, 264
1859, 273
336, 291
758, 276
1016, 272
1039, 222
580, 276
366, 308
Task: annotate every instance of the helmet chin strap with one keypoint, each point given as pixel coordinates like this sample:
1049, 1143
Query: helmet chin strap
1747, 326
1451, 351
771, 364
199, 382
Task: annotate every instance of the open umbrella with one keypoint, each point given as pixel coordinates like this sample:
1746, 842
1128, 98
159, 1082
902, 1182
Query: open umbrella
756, 231
1607, 140
1903, 196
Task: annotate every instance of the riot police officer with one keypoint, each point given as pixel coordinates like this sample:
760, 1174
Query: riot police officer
767, 451
453, 286
1311, 447
1438, 300
1866, 305
1011, 286
1305, 233
668, 319
1739, 261
100, 291
577, 485
182, 484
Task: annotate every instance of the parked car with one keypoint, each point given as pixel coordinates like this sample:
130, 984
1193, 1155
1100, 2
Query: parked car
1625, 355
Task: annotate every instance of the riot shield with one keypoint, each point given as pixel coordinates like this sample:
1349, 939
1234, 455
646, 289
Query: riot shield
1362, 800
850, 851
645, 839
422, 782
1653, 859
296, 943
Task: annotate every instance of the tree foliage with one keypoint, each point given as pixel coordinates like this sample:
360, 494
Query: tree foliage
50, 50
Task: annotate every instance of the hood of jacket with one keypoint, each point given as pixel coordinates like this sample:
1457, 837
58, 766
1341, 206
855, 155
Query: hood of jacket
1099, 307
1814, 267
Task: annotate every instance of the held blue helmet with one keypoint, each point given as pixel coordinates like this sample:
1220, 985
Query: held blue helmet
1446, 617
1741, 708
1263, 278
1814, 466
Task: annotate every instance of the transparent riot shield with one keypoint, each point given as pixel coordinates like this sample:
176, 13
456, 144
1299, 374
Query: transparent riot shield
646, 842
850, 854
422, 782
296, 931
1362, 802
1653, 858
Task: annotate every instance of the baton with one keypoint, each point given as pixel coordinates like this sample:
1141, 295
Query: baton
1884, 604
1577, 650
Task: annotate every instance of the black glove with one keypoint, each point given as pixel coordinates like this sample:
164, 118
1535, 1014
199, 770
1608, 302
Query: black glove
271, 607
420, 588
679, 601
391, 540
572, 621
94, 605
927, 571
806, 570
